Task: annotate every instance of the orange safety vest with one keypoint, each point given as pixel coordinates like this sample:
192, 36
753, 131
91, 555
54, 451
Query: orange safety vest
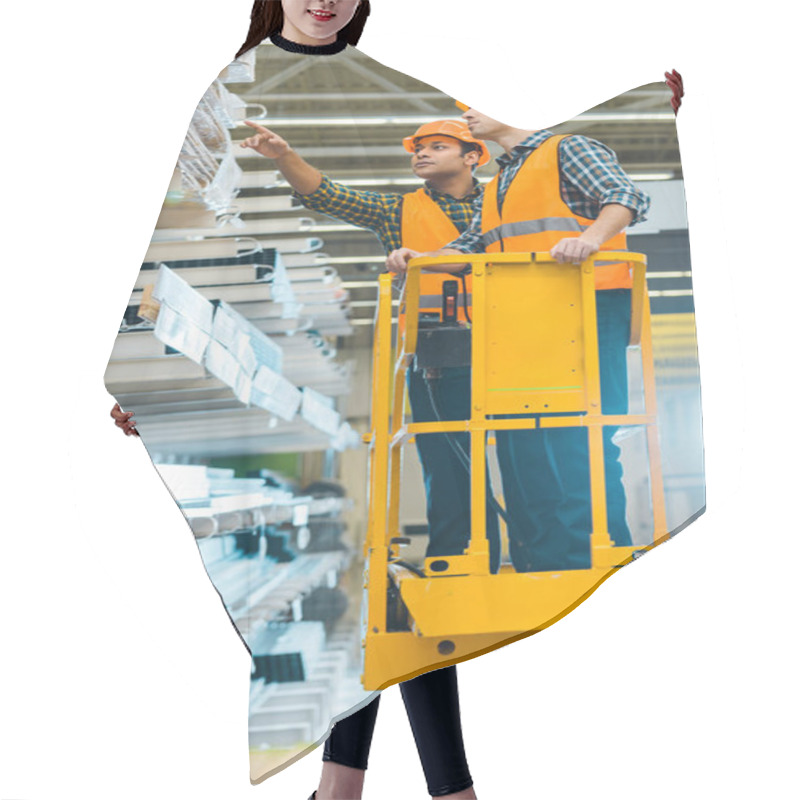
535, 217
425, 227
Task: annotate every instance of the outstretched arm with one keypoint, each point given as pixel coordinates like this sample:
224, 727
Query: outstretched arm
302, 177
364, 209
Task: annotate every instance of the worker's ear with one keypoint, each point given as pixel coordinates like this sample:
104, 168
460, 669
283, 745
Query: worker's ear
472, 158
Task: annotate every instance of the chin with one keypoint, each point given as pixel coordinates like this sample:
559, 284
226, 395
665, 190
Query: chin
319, 30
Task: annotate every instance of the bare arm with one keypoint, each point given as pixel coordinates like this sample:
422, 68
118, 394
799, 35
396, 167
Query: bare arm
612, 219
302, 177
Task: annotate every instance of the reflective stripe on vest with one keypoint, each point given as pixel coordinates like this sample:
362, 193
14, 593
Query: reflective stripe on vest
535, 217
426, 227
508, 229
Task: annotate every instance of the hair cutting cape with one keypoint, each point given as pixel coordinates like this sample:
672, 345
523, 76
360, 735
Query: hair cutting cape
259, 354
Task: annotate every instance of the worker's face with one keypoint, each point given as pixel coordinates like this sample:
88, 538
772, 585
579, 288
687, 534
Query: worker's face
481, 126
440, 156
316, 20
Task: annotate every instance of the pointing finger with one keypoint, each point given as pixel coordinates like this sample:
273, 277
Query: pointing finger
259, 128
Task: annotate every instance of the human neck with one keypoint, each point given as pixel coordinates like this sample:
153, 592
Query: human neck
509, 138
457, 186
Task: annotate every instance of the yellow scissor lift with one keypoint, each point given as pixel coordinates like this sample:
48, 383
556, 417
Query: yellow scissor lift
534, 351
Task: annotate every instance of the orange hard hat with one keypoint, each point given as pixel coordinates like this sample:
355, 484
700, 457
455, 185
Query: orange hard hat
455, 128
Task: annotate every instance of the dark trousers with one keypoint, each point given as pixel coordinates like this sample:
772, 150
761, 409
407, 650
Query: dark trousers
447, 478
431, 702
545, 471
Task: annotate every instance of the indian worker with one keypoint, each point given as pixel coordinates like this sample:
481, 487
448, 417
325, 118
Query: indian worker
567, 195
444, 154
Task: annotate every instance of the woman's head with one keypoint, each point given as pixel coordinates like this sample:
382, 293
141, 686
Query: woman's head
306, 21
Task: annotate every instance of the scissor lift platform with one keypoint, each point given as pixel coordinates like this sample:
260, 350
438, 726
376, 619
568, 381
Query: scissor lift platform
535, 363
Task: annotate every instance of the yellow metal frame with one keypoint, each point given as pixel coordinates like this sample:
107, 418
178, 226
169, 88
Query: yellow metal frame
459, 610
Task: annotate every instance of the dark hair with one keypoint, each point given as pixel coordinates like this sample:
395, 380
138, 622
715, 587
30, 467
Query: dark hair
466, 147
266, 18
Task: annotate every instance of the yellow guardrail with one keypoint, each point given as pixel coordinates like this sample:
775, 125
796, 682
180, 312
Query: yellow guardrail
534, 351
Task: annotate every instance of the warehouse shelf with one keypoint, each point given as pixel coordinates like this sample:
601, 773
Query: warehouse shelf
258, 545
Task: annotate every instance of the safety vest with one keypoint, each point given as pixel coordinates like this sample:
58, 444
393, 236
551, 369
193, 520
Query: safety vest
535, 217
425, 227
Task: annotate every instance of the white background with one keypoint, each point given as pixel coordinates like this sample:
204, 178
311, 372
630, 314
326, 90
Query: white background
121, 675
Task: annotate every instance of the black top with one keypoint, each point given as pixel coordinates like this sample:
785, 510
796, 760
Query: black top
309, 49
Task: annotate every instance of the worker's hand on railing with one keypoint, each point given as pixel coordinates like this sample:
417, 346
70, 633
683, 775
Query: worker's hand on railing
397, 260
124, 420
573, 250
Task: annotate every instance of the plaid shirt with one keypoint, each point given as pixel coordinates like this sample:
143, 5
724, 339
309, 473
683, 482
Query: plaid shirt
591, 178
382, 213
